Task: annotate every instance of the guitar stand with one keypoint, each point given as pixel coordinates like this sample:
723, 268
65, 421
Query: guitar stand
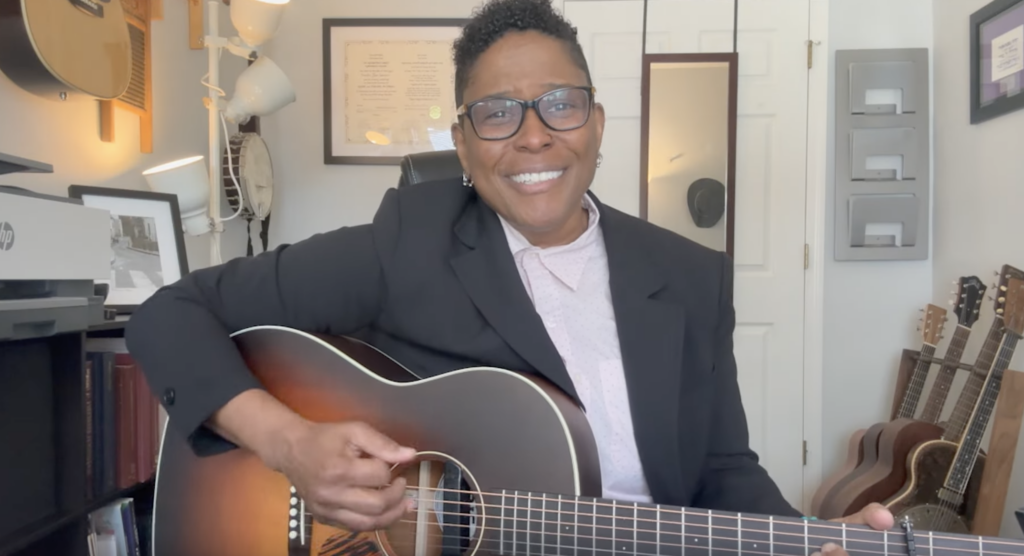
1020, 518
1006, 425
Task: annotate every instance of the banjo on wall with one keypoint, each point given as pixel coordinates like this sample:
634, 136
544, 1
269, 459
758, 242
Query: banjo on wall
66, 49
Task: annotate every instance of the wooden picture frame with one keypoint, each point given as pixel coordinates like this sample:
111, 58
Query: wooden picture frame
1000, 25
147, 242
363, 88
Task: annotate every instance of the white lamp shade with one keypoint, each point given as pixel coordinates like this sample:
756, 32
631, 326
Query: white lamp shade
261, 89
256, 20
187, 179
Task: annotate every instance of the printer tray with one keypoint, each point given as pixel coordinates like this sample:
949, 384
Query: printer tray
36, 318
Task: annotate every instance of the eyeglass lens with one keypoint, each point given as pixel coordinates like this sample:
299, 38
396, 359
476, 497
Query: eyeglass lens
561, 110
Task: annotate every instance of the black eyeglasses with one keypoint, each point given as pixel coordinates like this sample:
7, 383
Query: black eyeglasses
499, 118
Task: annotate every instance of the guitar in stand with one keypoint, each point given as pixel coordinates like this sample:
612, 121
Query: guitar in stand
508, 465
954, 428
843, 488
888, 473
941, 493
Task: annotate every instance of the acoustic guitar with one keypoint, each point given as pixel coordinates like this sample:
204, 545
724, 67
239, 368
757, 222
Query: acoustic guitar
942, 490
66, 49
881, 476
507, 465
954, 428
833, 496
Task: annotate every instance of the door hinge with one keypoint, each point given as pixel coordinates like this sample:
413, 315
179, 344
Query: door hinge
805, 452
810, 52
807, 256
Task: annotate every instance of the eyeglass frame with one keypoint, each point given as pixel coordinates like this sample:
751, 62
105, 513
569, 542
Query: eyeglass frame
526, 105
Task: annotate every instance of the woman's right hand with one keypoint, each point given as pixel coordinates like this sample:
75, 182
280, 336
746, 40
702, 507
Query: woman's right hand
343, 473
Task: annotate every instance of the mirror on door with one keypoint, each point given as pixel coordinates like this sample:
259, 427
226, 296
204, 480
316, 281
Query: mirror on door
688, 145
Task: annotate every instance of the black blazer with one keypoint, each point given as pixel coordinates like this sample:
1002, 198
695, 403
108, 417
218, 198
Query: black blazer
432, 283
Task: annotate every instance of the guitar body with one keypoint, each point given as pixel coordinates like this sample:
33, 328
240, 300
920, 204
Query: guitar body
869, 448
888, 473
66, 49
923, 497
854, 457
229, 504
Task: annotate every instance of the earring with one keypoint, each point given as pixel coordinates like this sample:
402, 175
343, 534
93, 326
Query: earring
600, 157
466, 180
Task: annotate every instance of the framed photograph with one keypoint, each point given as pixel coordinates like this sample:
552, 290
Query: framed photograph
146, 240
389, 88
997, 59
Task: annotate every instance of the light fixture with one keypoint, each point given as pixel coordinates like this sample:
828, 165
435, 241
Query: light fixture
260, 90
187, 179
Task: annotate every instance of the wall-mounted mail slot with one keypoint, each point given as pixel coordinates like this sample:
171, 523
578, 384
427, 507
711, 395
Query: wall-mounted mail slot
883, 220
883, 154
884, 87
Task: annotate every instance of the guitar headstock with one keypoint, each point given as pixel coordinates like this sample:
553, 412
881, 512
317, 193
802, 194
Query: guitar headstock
932, 322
969, 294
1005, 275
1014, 311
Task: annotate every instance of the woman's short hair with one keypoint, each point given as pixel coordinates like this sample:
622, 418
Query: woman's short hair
495, 18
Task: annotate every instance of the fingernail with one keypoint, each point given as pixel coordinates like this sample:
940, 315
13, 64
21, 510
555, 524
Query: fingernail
829, 547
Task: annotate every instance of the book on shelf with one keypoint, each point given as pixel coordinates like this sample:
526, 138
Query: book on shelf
114, 530
123, 419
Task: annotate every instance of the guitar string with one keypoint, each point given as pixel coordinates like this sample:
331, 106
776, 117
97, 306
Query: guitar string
820, 525
889, 547
975, 429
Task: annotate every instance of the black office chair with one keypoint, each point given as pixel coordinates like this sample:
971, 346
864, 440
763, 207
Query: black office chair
429, 166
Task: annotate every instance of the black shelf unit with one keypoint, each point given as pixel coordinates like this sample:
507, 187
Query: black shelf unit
44, 505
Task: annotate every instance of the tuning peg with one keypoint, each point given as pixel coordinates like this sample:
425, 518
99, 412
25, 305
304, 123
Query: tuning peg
1002, 299
1002, 288
999, 311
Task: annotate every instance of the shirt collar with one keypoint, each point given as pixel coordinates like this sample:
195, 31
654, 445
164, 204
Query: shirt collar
566, 262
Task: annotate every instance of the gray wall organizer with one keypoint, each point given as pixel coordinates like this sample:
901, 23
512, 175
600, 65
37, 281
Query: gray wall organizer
882, 177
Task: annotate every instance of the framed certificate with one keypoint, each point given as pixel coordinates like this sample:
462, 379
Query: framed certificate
389, 88
997, 59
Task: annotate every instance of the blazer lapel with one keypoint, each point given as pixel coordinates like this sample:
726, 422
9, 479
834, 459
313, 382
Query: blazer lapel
651, 333
489, 275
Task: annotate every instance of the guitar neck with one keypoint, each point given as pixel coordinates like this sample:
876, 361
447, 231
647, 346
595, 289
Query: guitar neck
916, 384
525, 523
967, 453
975, 380
940, 388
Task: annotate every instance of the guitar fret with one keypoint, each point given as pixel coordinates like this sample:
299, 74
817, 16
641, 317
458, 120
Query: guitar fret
549, 528
647, 530
501, 525
604, 528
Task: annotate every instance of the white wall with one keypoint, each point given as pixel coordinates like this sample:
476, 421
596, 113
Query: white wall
66, 135
979, 192
870, 307
312, 197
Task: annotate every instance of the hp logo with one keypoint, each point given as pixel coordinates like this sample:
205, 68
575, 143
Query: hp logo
6, 236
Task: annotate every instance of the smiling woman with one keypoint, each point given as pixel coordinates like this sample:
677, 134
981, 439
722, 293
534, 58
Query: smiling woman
529, 129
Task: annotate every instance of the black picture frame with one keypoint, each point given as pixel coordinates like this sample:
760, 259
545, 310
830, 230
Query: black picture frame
381, 155
146, 213
986, 102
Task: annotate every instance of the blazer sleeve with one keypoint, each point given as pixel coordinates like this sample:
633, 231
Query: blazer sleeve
732, 479
331, 283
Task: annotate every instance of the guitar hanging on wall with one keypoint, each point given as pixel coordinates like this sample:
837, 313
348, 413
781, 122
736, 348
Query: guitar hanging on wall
66, 49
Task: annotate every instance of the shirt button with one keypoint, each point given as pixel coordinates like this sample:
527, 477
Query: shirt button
169, 396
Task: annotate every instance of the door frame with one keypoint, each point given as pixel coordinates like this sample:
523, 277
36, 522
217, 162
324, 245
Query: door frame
816, 220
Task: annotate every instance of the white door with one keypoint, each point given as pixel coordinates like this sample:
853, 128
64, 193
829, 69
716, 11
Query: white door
770, 181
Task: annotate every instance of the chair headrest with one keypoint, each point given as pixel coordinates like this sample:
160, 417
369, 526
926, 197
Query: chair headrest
429, 166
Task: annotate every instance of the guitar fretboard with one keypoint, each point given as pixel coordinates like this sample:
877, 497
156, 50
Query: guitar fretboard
967, 454
972, 387
523, 524
943, 380
916, 384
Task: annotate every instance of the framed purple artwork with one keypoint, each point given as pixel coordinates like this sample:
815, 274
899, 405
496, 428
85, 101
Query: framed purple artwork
997, 59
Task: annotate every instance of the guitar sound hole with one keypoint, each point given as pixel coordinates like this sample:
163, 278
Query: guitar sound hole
447, 518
